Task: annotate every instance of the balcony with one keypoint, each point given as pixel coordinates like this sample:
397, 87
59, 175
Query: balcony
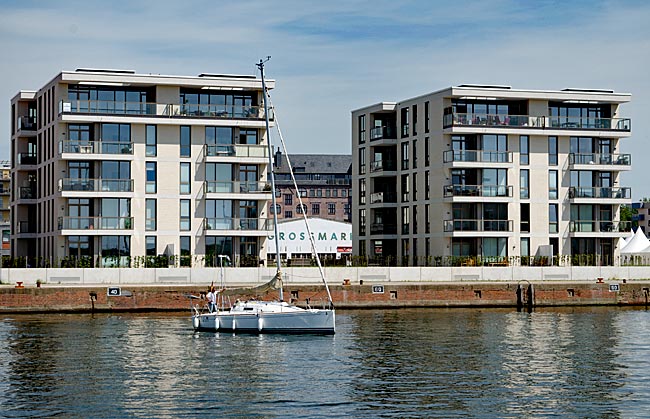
96, 185
599, 226
599, 193
477, 156
538, 122
95, 147
378, 133
598, 159
236, 150
236, 187
27, 123
238, 224
478, 225
382, 165
5, 191
381, 228
162, 109
477, 190
383, 198
95, 223
27, 159
26, 192
25, 227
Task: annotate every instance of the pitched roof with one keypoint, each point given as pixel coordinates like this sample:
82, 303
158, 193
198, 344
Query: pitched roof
316, 163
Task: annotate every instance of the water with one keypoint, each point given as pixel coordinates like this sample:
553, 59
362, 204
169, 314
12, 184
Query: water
571, 363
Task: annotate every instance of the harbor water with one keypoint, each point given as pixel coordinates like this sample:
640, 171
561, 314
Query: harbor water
408, 363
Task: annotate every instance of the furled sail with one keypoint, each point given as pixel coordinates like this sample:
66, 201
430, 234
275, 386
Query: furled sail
274, 284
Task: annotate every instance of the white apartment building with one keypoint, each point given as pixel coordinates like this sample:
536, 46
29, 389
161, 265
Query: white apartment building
490, 172
111, 167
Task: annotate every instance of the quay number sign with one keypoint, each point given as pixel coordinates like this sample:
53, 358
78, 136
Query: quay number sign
377, 289
114, 292
614, 288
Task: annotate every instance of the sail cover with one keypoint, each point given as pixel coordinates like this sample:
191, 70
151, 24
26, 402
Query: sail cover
274, 284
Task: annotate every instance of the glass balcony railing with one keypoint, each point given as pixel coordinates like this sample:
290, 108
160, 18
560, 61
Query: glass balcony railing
27, 192
96, 185
598, 192
162, 109
236, 187
27, 123
26, 227
599, 226
478, 190
382, 165
477, 225
378, 133
95, 147
246, 224
479, 156
529, 121
598, 158
383, 197
383, 228
95, 223
27, 158
236, 150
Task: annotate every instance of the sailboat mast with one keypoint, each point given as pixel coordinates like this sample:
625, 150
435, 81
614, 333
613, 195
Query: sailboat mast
278, 263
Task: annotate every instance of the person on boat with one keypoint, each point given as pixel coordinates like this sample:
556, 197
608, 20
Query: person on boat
211, 296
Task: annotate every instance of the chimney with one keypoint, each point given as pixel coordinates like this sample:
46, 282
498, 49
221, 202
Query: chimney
277, 159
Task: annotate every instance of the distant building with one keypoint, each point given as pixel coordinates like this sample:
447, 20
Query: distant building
5, 220
323, 182
642, 216
490, 172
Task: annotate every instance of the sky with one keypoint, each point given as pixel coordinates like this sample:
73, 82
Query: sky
330, 57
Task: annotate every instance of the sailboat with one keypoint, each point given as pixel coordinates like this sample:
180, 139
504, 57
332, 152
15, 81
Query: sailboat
256, 316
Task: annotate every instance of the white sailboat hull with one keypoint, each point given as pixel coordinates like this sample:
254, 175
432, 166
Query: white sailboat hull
267, 317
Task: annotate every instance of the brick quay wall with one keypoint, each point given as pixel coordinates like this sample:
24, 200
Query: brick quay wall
160, 289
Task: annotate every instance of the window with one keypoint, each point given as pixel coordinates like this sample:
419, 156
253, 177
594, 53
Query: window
247, 136
427, 185
116, 138
405, 220
185, 184
315, 208
346, 209
186, 135
288, 199
312, 193
150, 214
288, 214
427, 159
215, 246
327, 193
319, 193
219, 136
427, 221
301, 209
185, 251
303, 193
552, 151
415, 187
523, 149
405, 155
151, 138
362, 222
415, 219
277, 210
405, 122
415, 119
115, 175
524, 246
362, 191
116, 213
150, 245
185, 215
426, 117
115, 251
552, 218
362, 161
362, 129
524, 213
331, 208
524, 192
150, 186
552, 184
405, 188
415, 154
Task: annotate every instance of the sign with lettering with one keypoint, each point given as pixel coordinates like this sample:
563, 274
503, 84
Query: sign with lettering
614, 288
333, 237
377, 289
114, 292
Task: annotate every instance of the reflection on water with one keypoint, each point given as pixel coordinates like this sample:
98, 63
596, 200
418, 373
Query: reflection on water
570, 363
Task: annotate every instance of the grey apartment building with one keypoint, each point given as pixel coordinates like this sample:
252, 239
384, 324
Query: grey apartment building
490, 171
111, 165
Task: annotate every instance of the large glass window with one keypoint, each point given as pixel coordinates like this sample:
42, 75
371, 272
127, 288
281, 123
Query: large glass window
495, 148
150, 247
116, 176
215, 247
186, 141
362, 191
151, 134
495, 182
552, 184
185, 184
362, 161
115, 251
406, 220
185, 251
151, 176
185, 221
150, 214
405, 122
405, 155
79, 211
219, 214
79, 247
552, 151
116, 213
362, 222
116, 138
524, 214
362, 129
219, 135
553, 218
405, 188
524, 186
524, 143
247, 136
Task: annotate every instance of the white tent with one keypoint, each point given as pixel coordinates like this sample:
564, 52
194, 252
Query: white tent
629, 237
638, 244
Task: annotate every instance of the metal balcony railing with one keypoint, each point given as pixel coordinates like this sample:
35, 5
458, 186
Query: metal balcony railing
236, 187
599, 226
95, 147
382, 228
377, 133
27, 158
246, 224
602, 159
478, 190
382, 165
27, 192
598, 192
383, 197
480, 156
235, 150
27, 123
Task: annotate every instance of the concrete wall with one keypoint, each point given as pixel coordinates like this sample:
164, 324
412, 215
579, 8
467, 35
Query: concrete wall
335, 276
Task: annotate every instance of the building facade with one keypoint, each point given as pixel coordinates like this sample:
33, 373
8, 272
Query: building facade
5, 188
112, 167
490, 172
324, 183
